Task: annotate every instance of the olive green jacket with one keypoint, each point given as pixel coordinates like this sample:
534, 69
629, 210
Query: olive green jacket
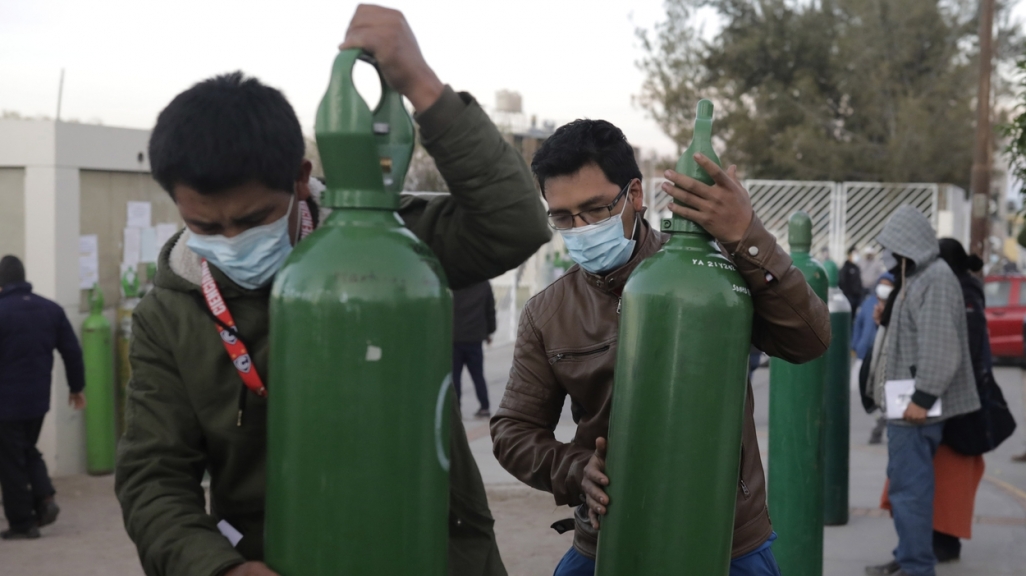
182, 403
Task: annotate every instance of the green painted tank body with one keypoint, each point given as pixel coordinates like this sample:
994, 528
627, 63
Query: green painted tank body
360, 387
98, 354
836, 409
678, 407
796, 436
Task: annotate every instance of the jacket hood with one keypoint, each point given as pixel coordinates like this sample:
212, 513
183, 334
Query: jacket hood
908, 233
14, 288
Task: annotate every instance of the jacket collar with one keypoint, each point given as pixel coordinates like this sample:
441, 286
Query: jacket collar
15, 288
649, 242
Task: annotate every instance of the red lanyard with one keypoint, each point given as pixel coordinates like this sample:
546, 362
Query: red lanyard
229, 333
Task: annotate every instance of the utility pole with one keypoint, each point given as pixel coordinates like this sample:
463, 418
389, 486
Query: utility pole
60, 95
980, 177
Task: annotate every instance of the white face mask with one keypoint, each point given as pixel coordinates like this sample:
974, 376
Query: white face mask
883, 291
252, 258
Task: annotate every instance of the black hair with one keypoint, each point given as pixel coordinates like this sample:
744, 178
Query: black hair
12, 271
582, 142
852, 248
226, 131
952, 252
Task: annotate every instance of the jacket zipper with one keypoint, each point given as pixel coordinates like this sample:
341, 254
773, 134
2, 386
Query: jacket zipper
564, 356
744, 488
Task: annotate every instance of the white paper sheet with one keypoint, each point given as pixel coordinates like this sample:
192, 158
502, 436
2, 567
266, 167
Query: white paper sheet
148, 247
898, 394
132, 246
139, 215
165, 231
88, 261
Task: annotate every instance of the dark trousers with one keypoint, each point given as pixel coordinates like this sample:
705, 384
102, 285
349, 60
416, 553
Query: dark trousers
470, 354
23, 475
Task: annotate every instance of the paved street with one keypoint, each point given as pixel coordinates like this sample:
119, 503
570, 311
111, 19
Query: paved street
88, 540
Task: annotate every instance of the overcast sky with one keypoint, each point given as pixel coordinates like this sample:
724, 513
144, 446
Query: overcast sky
125, 60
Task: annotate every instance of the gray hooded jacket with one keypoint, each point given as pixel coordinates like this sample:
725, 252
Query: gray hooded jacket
928, 327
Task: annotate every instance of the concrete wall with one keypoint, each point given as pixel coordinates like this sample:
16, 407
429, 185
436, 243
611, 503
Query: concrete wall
104, 198
49, 159
12, 212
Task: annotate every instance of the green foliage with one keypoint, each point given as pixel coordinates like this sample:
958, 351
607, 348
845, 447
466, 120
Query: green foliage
832, 90
1015, 132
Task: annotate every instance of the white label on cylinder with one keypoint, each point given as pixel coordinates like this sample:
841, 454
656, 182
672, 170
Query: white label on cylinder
373, 353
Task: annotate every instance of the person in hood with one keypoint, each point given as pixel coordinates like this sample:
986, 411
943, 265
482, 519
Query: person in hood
566, 343
926, 340
31, 328
229, 151
957, 476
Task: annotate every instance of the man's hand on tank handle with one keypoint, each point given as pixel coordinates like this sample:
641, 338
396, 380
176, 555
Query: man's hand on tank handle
77, 400
723, 209
251, 569
385, 34
594, 483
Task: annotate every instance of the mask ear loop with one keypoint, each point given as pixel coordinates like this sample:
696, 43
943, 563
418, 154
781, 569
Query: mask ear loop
634, 230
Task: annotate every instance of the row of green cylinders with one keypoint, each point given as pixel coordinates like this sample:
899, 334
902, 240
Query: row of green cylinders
809, 426
354, 377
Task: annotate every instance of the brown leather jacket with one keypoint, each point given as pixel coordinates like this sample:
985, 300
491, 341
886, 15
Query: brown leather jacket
566, 344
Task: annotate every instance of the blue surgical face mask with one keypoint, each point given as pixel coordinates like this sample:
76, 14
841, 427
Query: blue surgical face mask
252, 258
599, 247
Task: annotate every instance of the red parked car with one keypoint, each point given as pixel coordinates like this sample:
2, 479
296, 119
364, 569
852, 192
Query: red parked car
1006, 311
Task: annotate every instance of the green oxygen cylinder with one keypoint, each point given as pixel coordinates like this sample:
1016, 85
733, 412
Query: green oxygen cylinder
796, 436
836, 406
361, 347
98, 354
678, 403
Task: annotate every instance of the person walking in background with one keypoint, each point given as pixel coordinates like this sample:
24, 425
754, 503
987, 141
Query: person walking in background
473, 322
864, 334
927, 341
31, 327
850, 280
871, 267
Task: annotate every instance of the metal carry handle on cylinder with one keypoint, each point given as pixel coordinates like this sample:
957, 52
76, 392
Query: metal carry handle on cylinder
372, 149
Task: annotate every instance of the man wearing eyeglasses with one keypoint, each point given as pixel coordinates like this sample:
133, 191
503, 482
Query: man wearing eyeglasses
566, 344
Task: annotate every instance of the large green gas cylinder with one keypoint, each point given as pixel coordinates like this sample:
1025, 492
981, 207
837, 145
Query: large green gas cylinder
678, 403
98, 355
836, 406
359, 389
796, 436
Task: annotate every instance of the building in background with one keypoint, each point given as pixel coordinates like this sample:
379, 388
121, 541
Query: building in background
62, 183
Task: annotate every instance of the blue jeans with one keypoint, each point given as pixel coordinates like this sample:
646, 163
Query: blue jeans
759, 562
910, 451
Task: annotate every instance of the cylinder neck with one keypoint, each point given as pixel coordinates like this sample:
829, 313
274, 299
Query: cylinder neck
681, 225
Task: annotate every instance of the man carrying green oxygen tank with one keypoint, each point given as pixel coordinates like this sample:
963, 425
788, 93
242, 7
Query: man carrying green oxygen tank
568, 333
230, 152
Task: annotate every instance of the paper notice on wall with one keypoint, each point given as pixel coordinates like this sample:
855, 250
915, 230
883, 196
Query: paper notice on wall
139, 215
88, 261
148, 247
164, 233
132, 247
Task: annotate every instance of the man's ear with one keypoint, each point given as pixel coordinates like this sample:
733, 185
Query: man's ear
636, 194
303, 180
